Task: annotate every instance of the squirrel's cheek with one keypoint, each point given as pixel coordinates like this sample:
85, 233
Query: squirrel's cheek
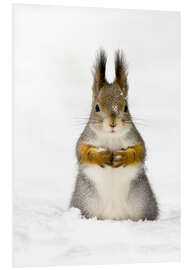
100, 126
104, 125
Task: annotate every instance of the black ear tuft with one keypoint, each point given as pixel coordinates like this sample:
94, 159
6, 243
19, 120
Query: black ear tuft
121, 70
99, 71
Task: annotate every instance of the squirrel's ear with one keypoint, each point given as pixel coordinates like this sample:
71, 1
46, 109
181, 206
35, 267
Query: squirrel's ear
99, 71
121, 70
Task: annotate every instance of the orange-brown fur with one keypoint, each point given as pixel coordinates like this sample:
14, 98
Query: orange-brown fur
111, 181
89, 154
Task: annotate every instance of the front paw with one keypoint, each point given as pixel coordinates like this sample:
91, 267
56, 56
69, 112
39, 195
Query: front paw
100, 158
123, 158
119, 159
106, 158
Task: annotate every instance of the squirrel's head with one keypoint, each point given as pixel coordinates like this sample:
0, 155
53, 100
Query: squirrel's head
110, 111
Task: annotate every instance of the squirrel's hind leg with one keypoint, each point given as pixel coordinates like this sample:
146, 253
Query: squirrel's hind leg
142, 200
83, 196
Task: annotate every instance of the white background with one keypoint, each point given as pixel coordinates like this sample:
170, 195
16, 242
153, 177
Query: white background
6, 105
54, 48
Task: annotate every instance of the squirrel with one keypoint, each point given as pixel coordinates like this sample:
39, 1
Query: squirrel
111, 182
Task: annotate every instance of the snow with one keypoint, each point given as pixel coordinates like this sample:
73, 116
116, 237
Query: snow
115, 108
52, 86
100, 149
55, 237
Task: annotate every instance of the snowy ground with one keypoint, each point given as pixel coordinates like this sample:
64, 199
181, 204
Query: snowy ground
46, 233
51, 236
49, 103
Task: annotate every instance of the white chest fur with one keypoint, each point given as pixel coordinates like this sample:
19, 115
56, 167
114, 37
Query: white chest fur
112, 185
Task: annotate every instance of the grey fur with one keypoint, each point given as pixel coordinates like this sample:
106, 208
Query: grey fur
140, 195
141, 192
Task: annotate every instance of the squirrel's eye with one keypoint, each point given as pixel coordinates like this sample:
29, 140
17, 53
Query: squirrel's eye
126, 108
97, 109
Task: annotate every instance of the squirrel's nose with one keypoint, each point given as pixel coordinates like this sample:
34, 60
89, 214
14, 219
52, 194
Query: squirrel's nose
112, 125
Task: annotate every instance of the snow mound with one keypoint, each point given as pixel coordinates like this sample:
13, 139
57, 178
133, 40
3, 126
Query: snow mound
50, 235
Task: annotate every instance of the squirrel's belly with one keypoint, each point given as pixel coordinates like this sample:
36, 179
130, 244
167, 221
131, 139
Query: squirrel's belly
112, 187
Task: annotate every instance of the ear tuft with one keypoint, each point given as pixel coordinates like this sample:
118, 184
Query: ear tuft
99, 71
121, 70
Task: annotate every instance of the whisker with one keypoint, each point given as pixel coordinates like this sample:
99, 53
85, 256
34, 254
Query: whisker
140, 119
87, 118
135, 122
92, 121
